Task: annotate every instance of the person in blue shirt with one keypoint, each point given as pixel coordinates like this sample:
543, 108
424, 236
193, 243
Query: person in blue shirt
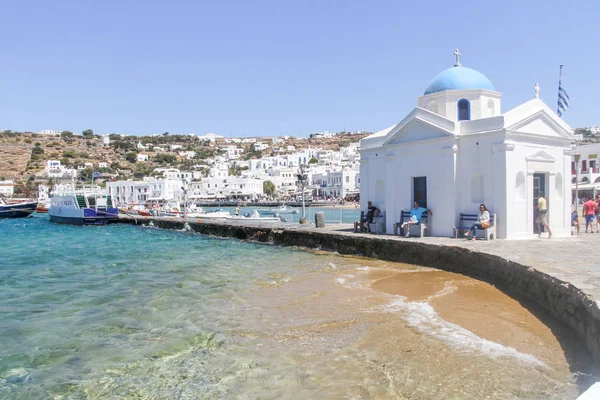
416, 214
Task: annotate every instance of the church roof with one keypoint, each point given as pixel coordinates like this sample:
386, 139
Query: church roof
458, 78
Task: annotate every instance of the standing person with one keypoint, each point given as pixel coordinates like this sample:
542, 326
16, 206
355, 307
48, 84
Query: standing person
589, 210
237, 211
575, 221
368, 219
416, 215
542, 218
597, 214
482, 223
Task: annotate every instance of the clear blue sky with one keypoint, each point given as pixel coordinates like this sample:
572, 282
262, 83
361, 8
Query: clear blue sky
278, 67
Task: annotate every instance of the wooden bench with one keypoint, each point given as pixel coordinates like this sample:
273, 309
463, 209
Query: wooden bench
421, 228
467, 219
378, 224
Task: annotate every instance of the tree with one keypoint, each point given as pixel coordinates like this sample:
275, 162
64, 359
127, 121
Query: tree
37, 150
66, 135
131, 157
165, 158
268, 188
85, 175
88, 133
313, 160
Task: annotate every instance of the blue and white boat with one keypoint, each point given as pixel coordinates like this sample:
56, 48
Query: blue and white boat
82, 208
16, 209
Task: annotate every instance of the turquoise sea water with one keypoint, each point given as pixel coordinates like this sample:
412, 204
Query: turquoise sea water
102, 311
125, 312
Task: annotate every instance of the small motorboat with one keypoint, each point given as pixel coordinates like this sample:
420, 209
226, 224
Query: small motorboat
281, 210
41, 208
255, 216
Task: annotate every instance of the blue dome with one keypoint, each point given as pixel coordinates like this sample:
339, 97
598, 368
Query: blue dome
458, 78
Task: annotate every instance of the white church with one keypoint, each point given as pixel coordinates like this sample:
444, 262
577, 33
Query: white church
456, 149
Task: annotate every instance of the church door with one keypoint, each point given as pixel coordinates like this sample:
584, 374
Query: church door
539, 186
420, 191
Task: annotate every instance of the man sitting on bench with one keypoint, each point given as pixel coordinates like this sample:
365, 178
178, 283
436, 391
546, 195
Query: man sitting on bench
368, 219
416, 214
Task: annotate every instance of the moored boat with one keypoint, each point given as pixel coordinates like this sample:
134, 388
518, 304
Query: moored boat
281, 210
20, 208
83, 208
41, 208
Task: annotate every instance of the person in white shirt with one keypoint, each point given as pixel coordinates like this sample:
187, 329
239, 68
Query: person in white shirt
483, 222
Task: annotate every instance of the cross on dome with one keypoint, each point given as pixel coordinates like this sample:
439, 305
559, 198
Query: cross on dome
457, 54
537, 90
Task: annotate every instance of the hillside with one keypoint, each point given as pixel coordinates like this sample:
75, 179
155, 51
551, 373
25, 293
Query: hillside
23, 155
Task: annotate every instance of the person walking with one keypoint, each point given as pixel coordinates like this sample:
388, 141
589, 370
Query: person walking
589, 210
542, 218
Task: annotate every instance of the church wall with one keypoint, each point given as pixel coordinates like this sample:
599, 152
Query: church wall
520, 198
435, 161
475, 160
372, 173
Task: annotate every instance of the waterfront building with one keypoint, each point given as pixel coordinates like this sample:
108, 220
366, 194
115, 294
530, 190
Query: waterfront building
335, 182
585, 174
176, 174
133, 192
457, 149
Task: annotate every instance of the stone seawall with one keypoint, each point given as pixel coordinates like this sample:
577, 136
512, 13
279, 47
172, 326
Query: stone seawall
565, 302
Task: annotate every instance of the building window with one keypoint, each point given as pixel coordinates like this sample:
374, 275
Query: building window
420, 191
464, 110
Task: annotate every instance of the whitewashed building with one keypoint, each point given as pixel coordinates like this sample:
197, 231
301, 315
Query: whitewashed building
259, 146
133, 192
457, 149
7, 188
50, 132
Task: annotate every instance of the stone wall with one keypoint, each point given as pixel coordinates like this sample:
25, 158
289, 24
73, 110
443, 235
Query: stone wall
563, 301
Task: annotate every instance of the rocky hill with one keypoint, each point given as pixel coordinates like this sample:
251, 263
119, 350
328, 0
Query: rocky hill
23, 155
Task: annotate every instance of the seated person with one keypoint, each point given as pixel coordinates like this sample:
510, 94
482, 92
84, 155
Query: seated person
416, 214
368, 219
483, 222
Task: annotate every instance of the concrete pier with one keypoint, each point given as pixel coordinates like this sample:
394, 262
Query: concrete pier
562, 275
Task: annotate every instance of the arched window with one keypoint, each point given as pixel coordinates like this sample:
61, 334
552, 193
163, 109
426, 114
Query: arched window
464, 110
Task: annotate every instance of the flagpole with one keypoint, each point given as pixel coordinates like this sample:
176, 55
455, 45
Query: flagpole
559, 85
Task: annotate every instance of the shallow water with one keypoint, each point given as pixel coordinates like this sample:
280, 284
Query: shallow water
125, 312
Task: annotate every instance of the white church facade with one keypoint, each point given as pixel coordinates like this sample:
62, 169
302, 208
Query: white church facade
457, 149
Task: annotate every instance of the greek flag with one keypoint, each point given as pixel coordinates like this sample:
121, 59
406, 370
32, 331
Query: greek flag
563, 97
96, 174
563, 100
